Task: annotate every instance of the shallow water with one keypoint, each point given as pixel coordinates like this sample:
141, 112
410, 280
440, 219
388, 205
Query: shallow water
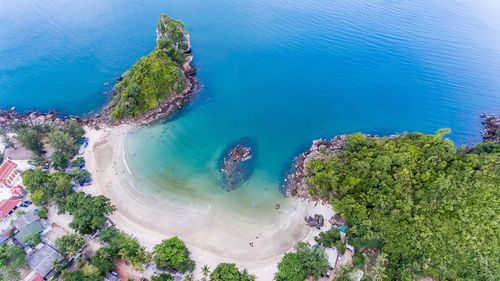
281, 72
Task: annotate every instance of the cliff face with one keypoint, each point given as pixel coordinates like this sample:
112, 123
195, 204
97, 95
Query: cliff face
157, 77
173, 32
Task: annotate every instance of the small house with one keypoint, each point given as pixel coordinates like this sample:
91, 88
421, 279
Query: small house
8, 173
42, 261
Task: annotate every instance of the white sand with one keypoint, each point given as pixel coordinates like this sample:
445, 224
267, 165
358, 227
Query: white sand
211, 236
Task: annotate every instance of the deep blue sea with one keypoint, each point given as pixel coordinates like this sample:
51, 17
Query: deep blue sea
282, 72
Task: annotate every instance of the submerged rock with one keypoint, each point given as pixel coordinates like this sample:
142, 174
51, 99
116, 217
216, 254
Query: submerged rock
236, 165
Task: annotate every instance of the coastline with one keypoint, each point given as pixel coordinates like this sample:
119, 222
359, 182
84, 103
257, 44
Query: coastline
212, 235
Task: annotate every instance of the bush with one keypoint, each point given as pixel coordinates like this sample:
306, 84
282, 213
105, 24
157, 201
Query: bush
229, 272
302, 263
340, 246
358, 259
125, 247
328, 238
104, 259
162, 277
173, 255
43, 212
70, 244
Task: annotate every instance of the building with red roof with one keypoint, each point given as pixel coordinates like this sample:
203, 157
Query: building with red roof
8, 173
34, 276
7, 206
18, 191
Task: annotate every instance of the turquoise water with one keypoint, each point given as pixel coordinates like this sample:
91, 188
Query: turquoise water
281, 72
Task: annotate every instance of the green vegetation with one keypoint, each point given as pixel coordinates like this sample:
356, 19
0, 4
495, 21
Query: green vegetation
328, 238
89, 213
430, 208
69, 245
104, 260
33, 239
229, 272
305, 261
151, 79
162, 277
12, 258
125, 247
30, 137
80, 275
172, 254
344, 273
65, 141
174, 31
155, 77
43, 212
47, 188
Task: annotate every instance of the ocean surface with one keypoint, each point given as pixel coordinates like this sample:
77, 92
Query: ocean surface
281, 72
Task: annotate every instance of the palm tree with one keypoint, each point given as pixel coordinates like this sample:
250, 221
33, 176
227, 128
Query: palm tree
205, 270
378, 271
188, 277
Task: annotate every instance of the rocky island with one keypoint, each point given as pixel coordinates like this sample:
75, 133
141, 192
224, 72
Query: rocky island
235, 164
159, 83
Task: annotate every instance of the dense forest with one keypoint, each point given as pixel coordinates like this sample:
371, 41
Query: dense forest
155, 77
426, 206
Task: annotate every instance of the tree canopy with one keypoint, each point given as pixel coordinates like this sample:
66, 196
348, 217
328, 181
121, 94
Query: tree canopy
173, 254
229, 272
47, 188
68, 245
305, 261
12, 258
89, 213
154, 77
431, 208
125, 247
162, 277
30, 137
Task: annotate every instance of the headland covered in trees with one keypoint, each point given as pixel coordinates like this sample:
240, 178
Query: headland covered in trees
414, 204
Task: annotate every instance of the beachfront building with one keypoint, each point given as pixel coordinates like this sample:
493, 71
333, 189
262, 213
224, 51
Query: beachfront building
28, 225
9, 200
42, 261
8, 206
8, 173
332, 254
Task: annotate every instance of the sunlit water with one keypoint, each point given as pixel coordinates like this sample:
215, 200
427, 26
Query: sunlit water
281, 72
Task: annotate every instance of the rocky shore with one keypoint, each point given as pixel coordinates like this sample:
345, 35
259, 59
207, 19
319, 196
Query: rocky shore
491, 131
295, 184
233, 165
165, 108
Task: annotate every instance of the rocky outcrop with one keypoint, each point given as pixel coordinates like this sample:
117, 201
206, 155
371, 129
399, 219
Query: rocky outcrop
235, 165
491, 131
173, 31
295, 183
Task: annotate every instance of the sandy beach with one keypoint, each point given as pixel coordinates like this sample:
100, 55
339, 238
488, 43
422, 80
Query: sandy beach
212, 235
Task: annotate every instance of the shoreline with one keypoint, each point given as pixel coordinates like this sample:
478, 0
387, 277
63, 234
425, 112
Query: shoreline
212, 235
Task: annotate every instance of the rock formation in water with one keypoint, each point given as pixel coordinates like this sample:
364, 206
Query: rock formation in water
159, 83
235, 165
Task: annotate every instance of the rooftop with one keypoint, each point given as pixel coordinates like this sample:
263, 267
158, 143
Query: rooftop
6, 206
25, 220
6, 170
43, 259
36, 277
332, 255
23, 234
